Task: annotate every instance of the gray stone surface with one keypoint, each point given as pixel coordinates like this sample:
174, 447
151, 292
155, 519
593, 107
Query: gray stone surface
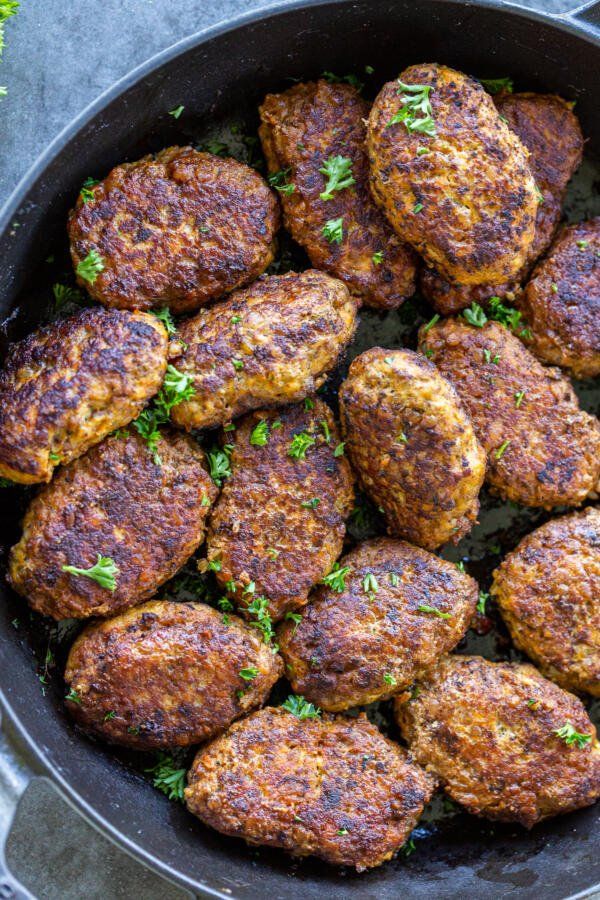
60, 54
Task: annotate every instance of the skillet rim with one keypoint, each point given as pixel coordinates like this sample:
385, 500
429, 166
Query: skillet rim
566, 22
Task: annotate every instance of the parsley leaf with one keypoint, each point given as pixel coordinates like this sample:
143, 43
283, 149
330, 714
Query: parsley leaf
416, 113
336, 578
389, 679
90, 267
73, 696
87, 194
176, 388
300, 707
310, 504
338, 170
475, 315
166, 318
483, 599
300, 444
333, 230
279, 181
495, 85
249, 673
369, 583
104, 572
177, 111
260, 434
571, 736
167, 777
219, 465
348, 79
259, 609
377, 257
502, 449
64, 295
424, 607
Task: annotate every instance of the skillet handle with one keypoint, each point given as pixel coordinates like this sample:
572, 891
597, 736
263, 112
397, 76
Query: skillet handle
15, 775
586, 15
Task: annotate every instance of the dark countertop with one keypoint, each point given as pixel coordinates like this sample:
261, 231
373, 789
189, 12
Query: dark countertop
58, 58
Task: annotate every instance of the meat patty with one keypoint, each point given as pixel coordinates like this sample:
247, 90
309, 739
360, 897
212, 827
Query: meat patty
167, 675
278, 525
412, 445
115, 503
543, 450
561, 303
549, 129
489, 731
548, 591
332, 787
451, 177
401, 608
269, 344
176, 229
65, 387
303, 131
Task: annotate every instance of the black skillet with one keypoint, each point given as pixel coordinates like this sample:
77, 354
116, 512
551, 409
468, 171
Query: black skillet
219, 76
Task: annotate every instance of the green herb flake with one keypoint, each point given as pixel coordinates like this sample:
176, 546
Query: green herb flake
431, 323
370, 584
73, 696
259, 435
394, 580
519, 397
582, 244
167, 776
238, 364
87, 194
554, 287
338, 171
502, 449
483, 599
249, 673
333, 230
571, 736
104, 572
164, 315
416, 114
389, 679
496, 85
109, 715
339, 450
300, 707
352, 80
308, 404
279, 181
177, 111
377, 257
475, 315
310, 504
90, 267
219, 465
431, 610
336, 578
417, 208
301, 442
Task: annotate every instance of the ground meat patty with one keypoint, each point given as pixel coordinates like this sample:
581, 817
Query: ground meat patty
561, 303
65, 387
489, 731
331, 787
460, 191
548, 128
302, 130
167, 675
401, 608
412, 445
177, 229
548, 591
114, 502
278, 526
543, 450
269, 344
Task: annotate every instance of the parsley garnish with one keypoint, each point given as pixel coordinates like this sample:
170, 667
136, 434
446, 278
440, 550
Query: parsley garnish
424, 607
389, 678
219, 465
300, 707
369, 583
259, 435
308, 404
87, 194
483, 598
339, 450
259, 608
333, 230
109, 715
378, 257
296, 618
416, 113
166, 777
338, 170
238, 364
336, 578
279, 181
104, 572
582, 244
300, 444
519, 398
73, 696
501, 449
342, 831
571, 736
495, 85
176, 388
475, 315
310, 504
417, 208
90, 267
166, 318
63, 295
176, 112
394, 580
249, 673
349, 79
431, 323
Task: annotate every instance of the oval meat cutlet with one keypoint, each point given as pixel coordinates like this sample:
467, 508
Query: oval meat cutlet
542, 449
279, 523
400, 609
68, 385
331, 787
412, 445
176, 229
167, 675
548, 592
550, 130
561, 303
270, 344
451, 177
312, 127
115, 502
505, 742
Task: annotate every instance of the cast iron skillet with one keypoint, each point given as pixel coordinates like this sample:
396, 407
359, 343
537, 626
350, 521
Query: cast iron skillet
220, 75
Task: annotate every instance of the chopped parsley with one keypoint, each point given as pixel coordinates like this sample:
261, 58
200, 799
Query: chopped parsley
483, 599
378, 257
219, 465
342, 831
417, 208
496, 85
502, 449
394, 580
519, 396
352, 80
90, 267
167, 777
177, 387
338, 171
333, 230
249, 673
416, 113
401, 438
109, 715
103, 572
460, 566
300, 444
235, 320
431, 323
177, 111
389, 679
339, 450
336, 578
73, 696
259, 435
296, 618
279, 180
259, 609
369, 583
424, 607
300, 707
554, 287
571, 736
238, 364
582, 244
487, 355
166, 318
87, 194
325, 430
308, 404
63, 295
475, 315
310, 504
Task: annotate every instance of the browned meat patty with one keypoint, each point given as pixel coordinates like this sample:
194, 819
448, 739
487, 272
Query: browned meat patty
548, 591
331, 787
177, 229
561, 303
489, 732
549, 129
269, 344
543, 450
167, 675
303, 131
65, 387
278, 525
115, 503
401, 608
412, 445
451, 177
